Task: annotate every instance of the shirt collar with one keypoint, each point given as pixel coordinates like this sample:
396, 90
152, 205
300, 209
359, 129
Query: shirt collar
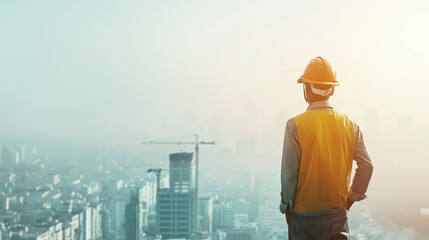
322, 105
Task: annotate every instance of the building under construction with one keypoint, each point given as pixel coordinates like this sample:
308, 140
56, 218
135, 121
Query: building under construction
176, 204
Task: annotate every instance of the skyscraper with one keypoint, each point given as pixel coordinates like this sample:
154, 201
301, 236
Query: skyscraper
7, 157
206, 213
176, 203
131, 224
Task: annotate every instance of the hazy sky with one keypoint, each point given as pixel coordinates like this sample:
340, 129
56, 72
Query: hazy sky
125, 71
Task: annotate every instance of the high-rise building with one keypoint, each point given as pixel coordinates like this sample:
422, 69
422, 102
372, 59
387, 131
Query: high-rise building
176, 204
92, 222
223, 216
16, 157
7, 157
115, 215
146, 201
131, 223
23, 153
206, 214
269, 219
147, 193
254, 199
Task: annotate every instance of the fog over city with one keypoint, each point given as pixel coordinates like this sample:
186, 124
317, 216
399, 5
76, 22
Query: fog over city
85, 82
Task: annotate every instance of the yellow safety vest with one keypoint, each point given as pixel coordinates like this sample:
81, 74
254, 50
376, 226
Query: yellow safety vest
327, 142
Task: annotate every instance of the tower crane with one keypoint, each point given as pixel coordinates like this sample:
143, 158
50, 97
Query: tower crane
197, 142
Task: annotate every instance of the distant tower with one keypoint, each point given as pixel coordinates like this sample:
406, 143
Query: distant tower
131, 224
176, 211
16, 157
23, 152
206, 213
7, 157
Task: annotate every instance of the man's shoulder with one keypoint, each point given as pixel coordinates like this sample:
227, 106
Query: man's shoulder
302, 116
344, 116
291, 128
290, 124
293, 119
340, 113
290, 121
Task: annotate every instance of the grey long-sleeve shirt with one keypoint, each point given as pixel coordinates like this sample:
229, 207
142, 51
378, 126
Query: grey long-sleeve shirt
292, 157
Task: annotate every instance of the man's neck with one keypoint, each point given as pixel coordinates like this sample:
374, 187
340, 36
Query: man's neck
320, 105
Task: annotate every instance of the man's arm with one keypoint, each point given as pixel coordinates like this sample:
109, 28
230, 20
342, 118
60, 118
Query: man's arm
290, 166
363, 171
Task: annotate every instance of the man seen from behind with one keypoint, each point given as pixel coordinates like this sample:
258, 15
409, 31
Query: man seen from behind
318, 152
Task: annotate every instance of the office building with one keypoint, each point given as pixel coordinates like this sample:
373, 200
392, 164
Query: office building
206, 215
223, 216
176, 204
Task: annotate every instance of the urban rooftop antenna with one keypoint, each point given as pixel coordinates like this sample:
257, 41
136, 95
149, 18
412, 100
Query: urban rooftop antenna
197, 149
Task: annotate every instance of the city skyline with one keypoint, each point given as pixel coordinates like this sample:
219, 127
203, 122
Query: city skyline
116, 197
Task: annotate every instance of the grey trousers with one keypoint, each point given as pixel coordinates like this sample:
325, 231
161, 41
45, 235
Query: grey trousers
330, 226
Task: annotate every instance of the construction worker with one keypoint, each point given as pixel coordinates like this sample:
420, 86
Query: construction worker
319, 148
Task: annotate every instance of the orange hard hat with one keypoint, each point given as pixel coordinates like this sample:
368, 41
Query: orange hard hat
319, 71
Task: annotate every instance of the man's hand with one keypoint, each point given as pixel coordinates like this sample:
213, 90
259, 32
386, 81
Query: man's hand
287, 215
349, 205
353, 197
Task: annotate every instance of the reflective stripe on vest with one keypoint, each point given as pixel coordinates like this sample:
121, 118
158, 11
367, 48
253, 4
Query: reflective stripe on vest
327, 142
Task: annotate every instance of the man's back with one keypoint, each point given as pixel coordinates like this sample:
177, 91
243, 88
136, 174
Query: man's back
326, 140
